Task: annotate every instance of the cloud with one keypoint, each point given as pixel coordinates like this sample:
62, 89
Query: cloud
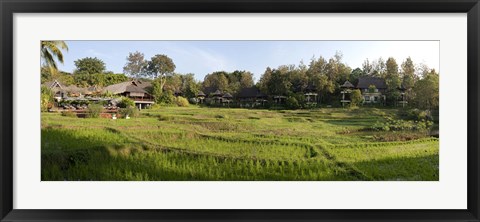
209, 60
95, 53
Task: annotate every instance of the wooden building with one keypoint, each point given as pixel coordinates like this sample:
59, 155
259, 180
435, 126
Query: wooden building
373, 89
135, 90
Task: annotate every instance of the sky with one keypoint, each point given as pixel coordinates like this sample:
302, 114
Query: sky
204, 57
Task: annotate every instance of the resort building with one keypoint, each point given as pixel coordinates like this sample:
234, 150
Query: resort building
251, 97
373, 89
135, 90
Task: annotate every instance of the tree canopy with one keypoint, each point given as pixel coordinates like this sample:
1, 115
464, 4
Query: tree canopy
89, 65
135, 65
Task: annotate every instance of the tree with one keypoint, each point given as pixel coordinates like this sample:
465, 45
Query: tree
427, 91
262, 84
51, 51
216, 81
89, 65
367, 67
408, 73
159, 67
356, 73
356, 97
378, 68
135, 65
392, 79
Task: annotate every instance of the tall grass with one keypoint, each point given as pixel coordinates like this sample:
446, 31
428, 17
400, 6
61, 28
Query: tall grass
192, 143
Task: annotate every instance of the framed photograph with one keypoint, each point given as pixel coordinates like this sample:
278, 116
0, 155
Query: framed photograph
240, 110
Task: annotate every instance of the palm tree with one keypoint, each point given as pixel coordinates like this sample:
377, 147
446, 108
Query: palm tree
51, 50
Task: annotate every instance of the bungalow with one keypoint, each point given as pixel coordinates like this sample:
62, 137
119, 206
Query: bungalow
373, 89
57, 89
135, 90
62, 91
251, 97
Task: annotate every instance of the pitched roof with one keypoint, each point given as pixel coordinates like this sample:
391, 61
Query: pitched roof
250, 92
75, 89
347, 84
227, 95
365, 82
217, 93
200, 93
53, 84
129, 86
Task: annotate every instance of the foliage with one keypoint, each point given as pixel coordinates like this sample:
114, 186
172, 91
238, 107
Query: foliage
165, 98
69, 113
427, 91
356, 97
130, 111
94, 110
372, 88
292, 103
408, 72
393, 81
135, 65
181, 101
46, 99
126, 103
89, 65
356, 73
51, 51
98, 79
416, 114
400, 125
159, 67
228, 82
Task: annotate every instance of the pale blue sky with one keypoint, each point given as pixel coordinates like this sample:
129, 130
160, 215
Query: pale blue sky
203, 57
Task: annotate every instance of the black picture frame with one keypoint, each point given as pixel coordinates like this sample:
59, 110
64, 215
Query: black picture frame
9, 7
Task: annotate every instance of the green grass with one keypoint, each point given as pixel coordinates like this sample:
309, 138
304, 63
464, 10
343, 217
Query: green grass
192, 143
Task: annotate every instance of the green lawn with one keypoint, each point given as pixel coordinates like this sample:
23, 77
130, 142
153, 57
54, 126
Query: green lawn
178, 143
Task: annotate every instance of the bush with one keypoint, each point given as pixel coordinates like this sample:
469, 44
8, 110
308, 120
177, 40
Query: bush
69, 114
401, 125
125, 102
193, 100
292, 103
46, 99
182, 102
165, 97
130, 111
94, 110
356, 97
416, 114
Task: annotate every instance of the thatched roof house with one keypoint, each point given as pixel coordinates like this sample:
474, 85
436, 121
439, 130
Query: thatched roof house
347, 85
366, 82
134, 90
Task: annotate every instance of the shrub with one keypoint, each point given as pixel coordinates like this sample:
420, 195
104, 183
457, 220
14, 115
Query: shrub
69, 114
130, 111
46, 99
356, 97
94, 110
193, 100
292, 103
401, 125
165, 97
125, 102
415, 114
180, 101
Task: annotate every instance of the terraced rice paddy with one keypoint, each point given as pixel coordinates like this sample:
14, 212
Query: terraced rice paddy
221, 144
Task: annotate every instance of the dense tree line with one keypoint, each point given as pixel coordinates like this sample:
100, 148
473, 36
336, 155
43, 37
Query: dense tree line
321, 75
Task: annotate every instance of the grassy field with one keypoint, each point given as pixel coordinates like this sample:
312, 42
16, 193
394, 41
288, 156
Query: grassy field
178, 143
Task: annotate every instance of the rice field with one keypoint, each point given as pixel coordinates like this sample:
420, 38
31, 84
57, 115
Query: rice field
221, 144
